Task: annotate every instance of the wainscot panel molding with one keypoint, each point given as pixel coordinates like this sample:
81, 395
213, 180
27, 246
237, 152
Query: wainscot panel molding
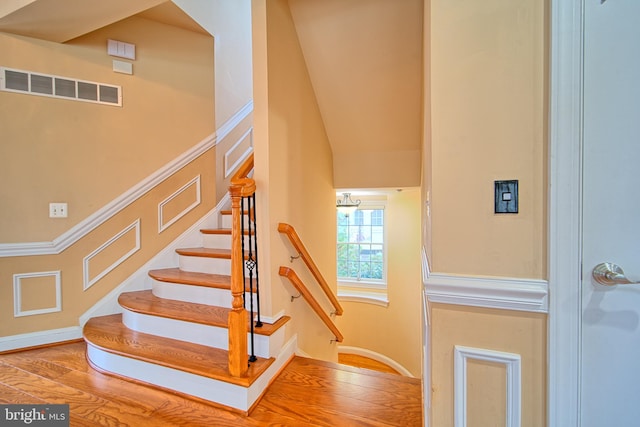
489, 292
18, 298
514, 381
77, 232
234, 157
86, 263
198, 198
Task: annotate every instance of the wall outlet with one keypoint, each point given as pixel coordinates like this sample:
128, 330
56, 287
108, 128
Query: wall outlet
58, 210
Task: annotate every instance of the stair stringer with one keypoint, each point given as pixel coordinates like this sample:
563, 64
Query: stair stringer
140, 279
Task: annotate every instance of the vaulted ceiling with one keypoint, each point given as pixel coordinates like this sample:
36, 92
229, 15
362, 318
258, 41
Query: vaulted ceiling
63, 20
364, 58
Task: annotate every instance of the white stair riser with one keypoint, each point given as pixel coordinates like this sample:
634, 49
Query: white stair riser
227, 222
220, 241
209, 265
204, 264
196, 294
212, 336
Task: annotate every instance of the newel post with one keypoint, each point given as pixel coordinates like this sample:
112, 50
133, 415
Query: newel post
238, 320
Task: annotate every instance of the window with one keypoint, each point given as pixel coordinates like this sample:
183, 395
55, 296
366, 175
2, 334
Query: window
361, 245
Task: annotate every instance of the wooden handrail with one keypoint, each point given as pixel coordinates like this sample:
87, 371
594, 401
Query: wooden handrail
245, 168
240, 187
290, 232
304, 291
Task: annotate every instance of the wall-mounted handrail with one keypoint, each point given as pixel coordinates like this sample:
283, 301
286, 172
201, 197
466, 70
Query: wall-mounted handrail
295, 240
241, 187
304, 291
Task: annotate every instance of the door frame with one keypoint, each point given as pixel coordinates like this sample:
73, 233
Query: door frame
565, 211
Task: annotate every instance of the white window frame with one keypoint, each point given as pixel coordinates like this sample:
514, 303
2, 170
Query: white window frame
368, 290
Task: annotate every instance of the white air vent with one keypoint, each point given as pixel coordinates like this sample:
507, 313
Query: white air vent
59, 87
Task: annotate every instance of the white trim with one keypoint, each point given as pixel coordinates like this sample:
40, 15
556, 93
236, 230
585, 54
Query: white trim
565, 204
70, 237
489, 292
514, 381
17, 294
363, 297
228, 126
229, 169
161, 225
34, 339
270, 319
426, 271
88, 282
358, 351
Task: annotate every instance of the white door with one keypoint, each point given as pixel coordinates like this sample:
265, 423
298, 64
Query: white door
610, 392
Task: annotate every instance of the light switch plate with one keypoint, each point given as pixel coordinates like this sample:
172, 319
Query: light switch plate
506, 196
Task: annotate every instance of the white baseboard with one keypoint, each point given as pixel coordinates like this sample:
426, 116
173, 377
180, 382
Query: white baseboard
35, 339
345, 349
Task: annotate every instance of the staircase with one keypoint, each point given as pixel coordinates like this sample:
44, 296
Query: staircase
175, 336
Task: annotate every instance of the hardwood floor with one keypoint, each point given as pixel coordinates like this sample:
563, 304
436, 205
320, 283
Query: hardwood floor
307, 393
365, 362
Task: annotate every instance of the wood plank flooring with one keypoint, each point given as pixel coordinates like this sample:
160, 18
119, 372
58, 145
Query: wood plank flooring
365, 362
307, 393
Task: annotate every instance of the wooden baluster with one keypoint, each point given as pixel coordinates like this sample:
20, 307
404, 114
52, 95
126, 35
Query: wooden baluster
238, 362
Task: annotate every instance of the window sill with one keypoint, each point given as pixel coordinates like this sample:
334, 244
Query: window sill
364, 296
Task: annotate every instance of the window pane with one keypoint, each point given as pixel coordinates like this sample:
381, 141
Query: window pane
343, 233
377, 234
358, 217
360, 245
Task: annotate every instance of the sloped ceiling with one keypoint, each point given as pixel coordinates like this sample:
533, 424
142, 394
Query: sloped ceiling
63, 20
364, 58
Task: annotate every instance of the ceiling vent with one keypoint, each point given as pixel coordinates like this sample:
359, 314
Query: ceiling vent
19, 81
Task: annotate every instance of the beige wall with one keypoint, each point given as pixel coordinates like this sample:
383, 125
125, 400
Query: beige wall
293, 171
486, 121
488, 82
229, 21
88, 155
393, 331
75, 300
85, 154
365, 62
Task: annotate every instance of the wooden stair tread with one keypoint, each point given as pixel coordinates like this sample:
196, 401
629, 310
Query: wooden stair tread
208, 280
109, 334
145, 302
222, 231
175, 275
208, 253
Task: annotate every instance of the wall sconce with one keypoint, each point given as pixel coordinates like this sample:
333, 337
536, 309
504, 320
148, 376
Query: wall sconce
346, 205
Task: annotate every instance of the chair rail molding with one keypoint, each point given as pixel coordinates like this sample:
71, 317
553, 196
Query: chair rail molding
488, 292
